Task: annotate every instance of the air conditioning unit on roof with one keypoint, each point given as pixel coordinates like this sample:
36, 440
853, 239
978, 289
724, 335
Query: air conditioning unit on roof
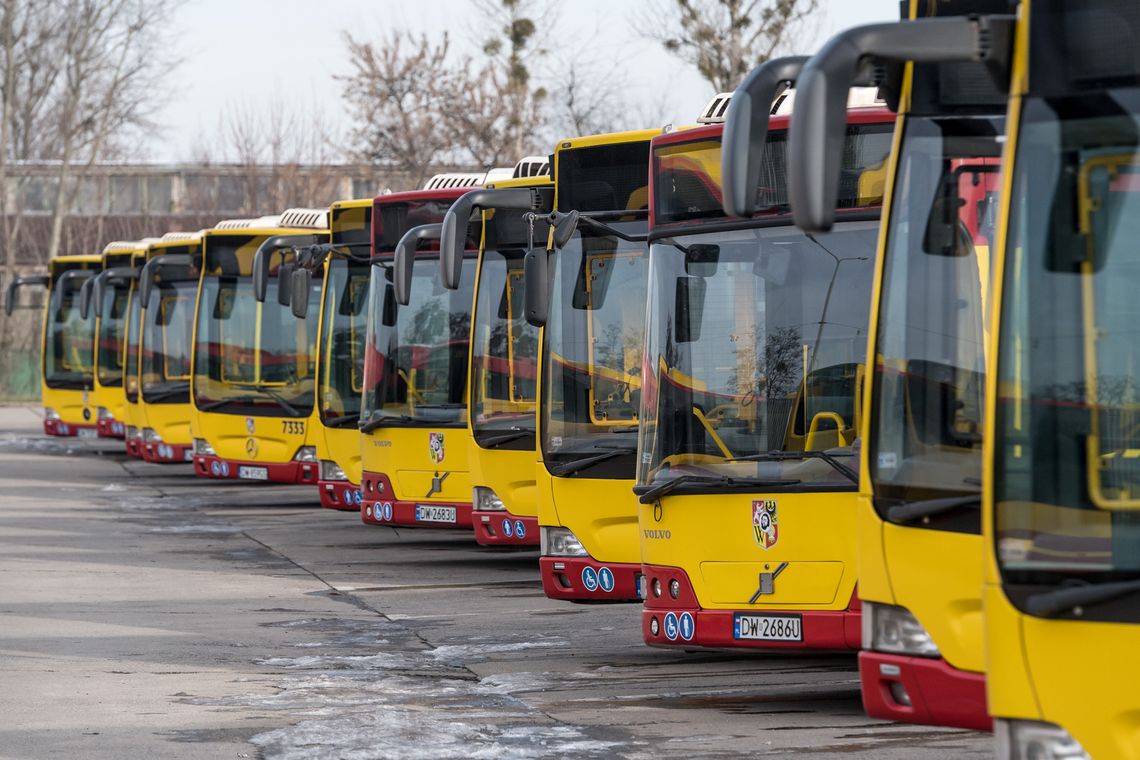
532, 166
314, 218
454, 179
715, 110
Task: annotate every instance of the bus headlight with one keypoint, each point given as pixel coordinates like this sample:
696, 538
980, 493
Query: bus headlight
132, 433
887, 628
560, 542
102, 413
486, 500
1030, 740
305, 454
331, 471
50, 413
203, 448
150, 435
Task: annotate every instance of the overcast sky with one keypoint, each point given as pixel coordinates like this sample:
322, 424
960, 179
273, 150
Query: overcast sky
253, 51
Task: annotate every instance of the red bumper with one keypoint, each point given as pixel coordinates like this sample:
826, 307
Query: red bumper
134, 448
939, 694
717, 629
111, 428
339, 494
584, 579
504, 529
276, 472
166, 453
378, 506
65, 429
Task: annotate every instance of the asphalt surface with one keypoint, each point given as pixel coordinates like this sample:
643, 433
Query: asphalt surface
145, 613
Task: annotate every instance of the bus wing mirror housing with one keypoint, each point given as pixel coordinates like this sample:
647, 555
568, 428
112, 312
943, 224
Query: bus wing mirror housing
285, 284
302, 280
264, 257
453, 237
564, 228
818, 130
536, 286
746, 130
14, 286
405, 257
688, 305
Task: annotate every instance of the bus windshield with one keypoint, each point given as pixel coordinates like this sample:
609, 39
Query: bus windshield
415, 371
592, 350
504, 349
929, 374
1067, 476
112, 334
166, 340
346, 323
251, 358
69, 359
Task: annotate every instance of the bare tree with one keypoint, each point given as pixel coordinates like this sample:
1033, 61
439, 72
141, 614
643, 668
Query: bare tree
725, 39
399, 95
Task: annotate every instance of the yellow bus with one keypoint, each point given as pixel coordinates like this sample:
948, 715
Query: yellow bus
918, 511
253, 379
1062, 569
67, 343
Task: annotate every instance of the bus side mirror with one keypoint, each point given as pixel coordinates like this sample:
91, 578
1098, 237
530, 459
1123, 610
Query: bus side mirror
817, 134
85, 296
285, 284
405, 257
564, 229
746, 131
536, 286
390, 310
688, 304
302, 280
14, 286
453, 236
276, 244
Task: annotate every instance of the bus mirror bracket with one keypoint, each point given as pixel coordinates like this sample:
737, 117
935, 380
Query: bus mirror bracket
263, 258
149, 270
564, 228
818, 130
14, 286
453, 238
406, 256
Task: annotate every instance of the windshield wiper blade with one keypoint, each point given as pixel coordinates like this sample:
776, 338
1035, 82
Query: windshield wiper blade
280, 401
385, 419
1060, 600
212, 405
650, 494
499, 440
441, 406
780, 456
917, 510
343, 420
571, 467
174, 390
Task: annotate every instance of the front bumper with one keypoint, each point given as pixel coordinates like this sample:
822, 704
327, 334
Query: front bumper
403, 514
584, 579
66, 429
134, 448
499, 528
277, 472
822, 630
166, 453
109, 427
939, 694
339, 494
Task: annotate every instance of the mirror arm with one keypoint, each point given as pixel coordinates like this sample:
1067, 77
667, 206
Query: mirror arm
405, 258
603, 227
14, 286
454, 233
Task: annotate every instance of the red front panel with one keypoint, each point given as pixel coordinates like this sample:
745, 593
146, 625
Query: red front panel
339, 494
938, 694
278, 472
65, 429
377, 507
164, 453
501, 528
109, 427
584, 579
134, 448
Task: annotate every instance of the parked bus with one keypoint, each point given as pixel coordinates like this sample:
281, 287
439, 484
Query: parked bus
503, 368
133, 418
413, 416
918, 512
167, 290
1062, 534
253, 379
67, 343
750, 410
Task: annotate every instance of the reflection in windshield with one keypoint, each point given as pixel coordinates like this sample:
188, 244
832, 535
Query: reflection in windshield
166, 340
131, 371
738, 322
929, 375
415, 369
1068, 406
112, 334
69, 358
593, 347
504, 354
346, 322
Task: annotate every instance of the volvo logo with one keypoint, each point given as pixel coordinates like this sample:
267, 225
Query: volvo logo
437, 484
251, 446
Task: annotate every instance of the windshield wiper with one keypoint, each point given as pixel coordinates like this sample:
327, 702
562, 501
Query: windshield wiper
441, 406
1061, 600
650, 494
343, 420
249, 397
780, 456
575, 465
499, 440
212, 405
385, 419
918, 510
173, 390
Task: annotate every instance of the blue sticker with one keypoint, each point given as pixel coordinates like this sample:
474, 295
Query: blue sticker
387, 510
520, 529
606, 579
226, 469
508, 529
590, 579
671, 626
688, 626
215, 468
357, 497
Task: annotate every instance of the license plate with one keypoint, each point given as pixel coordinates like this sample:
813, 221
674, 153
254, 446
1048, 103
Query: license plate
87, 433
425, 513
768, 627
253, 473
188, 455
